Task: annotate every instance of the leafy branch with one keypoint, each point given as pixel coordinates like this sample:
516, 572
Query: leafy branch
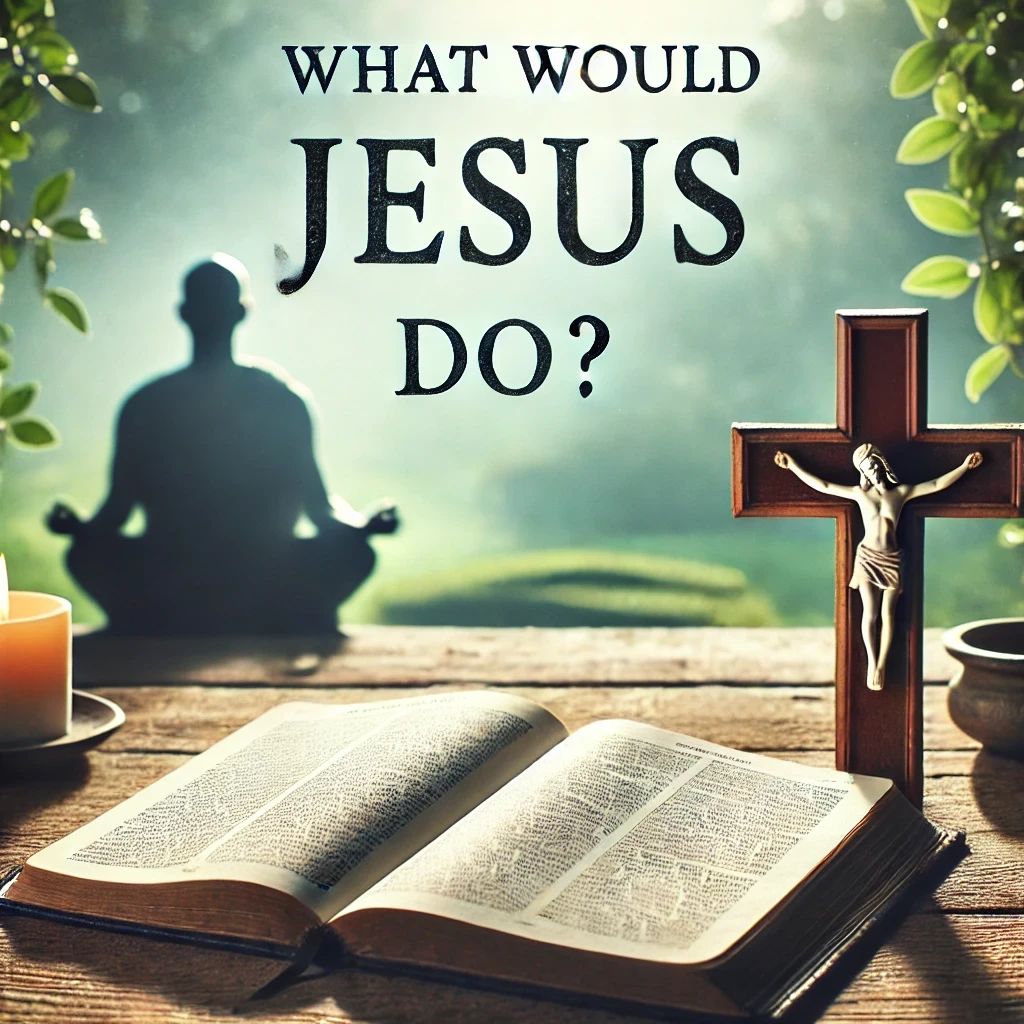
36, 63
972, 60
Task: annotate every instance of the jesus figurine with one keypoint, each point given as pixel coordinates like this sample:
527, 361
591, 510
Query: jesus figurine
878, 567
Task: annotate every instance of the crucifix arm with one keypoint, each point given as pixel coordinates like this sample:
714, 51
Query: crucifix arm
940, 483
786, 461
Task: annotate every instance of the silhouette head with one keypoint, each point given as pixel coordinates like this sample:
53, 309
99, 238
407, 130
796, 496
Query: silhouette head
216, 300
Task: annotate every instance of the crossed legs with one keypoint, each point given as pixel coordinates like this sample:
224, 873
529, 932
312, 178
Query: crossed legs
150, 588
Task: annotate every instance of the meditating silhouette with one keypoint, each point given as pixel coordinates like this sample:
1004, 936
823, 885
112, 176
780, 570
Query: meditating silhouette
219, 457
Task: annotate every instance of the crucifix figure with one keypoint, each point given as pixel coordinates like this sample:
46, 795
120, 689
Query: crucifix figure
881, 401
878, 563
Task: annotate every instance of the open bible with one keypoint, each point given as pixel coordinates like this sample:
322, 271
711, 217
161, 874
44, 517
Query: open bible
468, 833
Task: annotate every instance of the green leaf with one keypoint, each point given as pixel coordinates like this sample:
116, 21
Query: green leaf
6, 362
988, 307
995, 122
33, 432
43, 260
932, 9
984, 371
12, 88
14, 401
927, 13
77, 90
52, 47
967, 163
73, 228
990, 77
15, 146
942, 212
927, 141
22, 10
9, 254
67, 304
917, 69
22, 108
947, 95
943, 276
52, 195
6, 333
963, 53
924, 23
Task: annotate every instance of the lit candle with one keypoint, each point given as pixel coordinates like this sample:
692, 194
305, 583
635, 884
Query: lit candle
35, 665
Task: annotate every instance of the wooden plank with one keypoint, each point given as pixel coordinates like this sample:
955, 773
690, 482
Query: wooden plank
942, 969
393, 655
191, 718
937, 968
781, 718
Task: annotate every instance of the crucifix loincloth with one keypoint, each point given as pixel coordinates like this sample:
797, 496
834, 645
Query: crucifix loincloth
882, 569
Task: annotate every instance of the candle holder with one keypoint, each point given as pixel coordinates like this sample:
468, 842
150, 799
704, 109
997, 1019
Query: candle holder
93, 719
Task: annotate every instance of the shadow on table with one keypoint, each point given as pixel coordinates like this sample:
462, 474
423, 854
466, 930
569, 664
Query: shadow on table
102, 659
27, 792
149, 977
395, 999
926, 962
134, 964
997, 783
953, 985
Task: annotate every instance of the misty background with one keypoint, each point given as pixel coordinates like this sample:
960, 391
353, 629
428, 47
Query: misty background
191, 155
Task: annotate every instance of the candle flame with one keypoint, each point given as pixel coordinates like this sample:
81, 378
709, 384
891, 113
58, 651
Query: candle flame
5, 594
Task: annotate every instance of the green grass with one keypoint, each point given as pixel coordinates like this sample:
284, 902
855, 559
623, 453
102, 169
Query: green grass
967, 575
575, 587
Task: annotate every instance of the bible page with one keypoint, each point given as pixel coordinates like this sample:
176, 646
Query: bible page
635, 841
316, 800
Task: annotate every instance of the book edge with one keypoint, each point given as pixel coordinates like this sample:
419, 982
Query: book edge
180, 936
815, 994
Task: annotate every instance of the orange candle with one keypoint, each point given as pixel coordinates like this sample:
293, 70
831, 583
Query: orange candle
35, 666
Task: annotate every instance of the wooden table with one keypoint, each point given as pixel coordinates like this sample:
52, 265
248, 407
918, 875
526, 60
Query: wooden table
958, 958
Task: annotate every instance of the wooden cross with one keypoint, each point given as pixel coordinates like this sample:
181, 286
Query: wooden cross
881, 398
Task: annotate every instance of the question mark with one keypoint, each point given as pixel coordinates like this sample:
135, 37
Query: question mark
601, 338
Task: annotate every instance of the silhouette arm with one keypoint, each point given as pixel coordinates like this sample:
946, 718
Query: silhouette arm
940, 483
114, 512
323, 510
786, 461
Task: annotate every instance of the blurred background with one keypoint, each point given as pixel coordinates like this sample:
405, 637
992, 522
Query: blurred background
545, 509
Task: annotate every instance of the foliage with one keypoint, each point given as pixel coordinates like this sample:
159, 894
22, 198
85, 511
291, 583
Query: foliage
1011, 537
972, 60
36, 62
576, 587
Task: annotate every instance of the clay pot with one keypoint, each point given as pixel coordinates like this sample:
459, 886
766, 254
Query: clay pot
986, 697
